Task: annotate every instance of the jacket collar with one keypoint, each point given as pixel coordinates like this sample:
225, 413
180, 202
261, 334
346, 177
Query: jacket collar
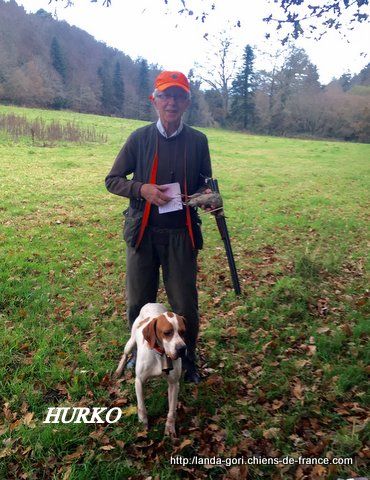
162, 131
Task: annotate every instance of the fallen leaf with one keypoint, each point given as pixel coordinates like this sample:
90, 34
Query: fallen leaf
322, 306
298, 390
301, 363
184, 444
214, 380
27, 419
107, 447
238, 473
105, 440
106, 380
318, 471
311, 349
232, 332
299, 474
271, 432
323, 330
127, 412
347, 330
5, 452
15, 425
270, 344
68, 472
77, 454
7, 411
276, 404
119, 402
96, 434
27, 450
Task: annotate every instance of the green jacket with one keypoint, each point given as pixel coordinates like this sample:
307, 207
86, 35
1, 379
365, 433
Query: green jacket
136, 157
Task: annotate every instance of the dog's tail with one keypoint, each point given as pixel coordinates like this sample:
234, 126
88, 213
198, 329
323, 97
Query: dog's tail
126, 352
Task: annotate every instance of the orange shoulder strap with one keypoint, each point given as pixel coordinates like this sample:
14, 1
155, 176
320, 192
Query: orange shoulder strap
144, 221
152, 180
188, 217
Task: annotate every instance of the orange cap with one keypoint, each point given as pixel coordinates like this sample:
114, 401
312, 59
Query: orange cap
171, 79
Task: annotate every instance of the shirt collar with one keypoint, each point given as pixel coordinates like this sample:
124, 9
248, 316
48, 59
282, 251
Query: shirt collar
162, 131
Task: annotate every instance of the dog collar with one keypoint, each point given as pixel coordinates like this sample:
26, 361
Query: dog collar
167, 367
158, 349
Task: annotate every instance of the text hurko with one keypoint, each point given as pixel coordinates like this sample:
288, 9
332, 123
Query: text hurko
83, 415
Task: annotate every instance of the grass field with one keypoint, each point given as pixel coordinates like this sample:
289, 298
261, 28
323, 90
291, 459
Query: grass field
284, 365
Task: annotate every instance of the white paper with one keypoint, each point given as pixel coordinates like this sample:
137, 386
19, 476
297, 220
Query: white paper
173, 190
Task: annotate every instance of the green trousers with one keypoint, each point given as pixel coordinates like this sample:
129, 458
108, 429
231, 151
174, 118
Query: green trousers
170, 249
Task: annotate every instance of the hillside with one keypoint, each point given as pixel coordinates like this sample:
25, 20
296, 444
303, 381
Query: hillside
48, 63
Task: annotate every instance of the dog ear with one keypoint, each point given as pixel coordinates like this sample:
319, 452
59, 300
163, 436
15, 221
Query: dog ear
181, 322
149, 333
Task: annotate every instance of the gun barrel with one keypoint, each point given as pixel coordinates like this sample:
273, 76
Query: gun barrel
221, 223
222, 228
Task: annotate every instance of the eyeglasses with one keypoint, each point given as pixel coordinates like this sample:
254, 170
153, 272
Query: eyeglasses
178, 97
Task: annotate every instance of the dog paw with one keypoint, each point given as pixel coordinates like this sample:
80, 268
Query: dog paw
170, 430
143, 419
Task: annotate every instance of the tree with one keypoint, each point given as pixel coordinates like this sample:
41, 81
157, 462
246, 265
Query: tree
84, 99
299, 72
193, 110
43, 13
345, 81
57, 59
28, 76
363, 125
218, 71
118, 90
301, 17
198, 112
106, 96
297, 76
144, 112
243, 92
363, 78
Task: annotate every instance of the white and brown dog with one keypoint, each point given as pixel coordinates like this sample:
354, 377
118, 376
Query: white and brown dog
159, 338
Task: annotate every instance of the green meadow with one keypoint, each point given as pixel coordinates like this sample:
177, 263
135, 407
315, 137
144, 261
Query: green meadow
284, 365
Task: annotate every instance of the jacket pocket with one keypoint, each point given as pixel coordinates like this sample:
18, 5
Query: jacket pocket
131, 228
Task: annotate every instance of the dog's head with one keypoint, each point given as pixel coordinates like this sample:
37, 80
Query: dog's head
167, 331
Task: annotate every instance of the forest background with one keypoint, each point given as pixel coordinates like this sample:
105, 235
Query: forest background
71, 70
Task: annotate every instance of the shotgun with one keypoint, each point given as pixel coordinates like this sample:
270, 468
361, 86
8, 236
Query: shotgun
222, 228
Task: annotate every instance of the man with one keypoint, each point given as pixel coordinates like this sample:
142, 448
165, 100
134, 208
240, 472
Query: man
159, 230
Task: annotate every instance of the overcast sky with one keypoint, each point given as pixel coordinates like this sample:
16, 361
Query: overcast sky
149, 29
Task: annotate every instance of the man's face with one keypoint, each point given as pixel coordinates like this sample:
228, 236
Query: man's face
171, 104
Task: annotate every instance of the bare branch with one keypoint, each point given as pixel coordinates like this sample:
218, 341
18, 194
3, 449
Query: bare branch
300, 17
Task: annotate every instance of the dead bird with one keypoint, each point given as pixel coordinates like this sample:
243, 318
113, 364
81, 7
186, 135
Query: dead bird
207, 200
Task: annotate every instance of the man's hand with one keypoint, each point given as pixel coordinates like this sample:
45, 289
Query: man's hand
154, 194
209, 208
